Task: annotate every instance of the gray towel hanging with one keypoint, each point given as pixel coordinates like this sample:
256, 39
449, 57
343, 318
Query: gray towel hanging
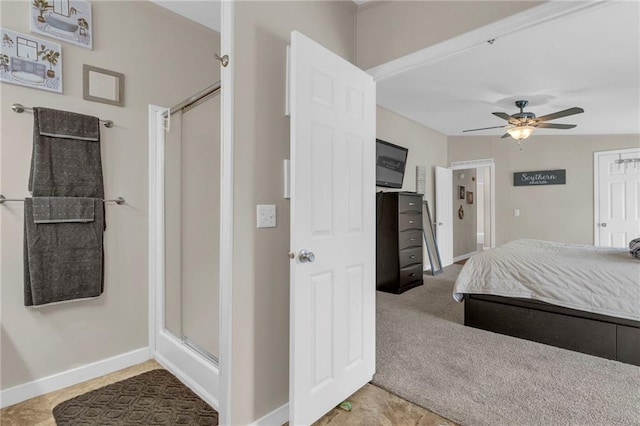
64, 222
63, 162
63, 209
63, 261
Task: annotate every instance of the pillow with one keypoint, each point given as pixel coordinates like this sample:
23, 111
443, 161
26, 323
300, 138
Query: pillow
634, 247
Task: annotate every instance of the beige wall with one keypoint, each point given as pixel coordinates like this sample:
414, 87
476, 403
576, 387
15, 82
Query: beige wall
162, 58
388, 30
556, 212
465, 230
260, 371
426, 148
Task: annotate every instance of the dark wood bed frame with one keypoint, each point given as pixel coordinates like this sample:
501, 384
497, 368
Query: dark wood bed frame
593, 334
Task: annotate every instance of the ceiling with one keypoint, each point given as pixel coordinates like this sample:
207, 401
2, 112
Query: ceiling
205, 12
590, 59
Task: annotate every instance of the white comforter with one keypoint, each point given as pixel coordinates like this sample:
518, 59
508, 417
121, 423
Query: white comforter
595, 279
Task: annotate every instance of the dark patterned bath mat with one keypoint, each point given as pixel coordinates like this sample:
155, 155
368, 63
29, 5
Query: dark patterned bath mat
152, 398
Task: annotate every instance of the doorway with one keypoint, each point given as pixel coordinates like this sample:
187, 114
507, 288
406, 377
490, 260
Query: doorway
465, 212
473, 207
197, 351
471, 211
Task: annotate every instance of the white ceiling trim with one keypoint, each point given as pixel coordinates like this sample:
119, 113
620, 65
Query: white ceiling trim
529, 18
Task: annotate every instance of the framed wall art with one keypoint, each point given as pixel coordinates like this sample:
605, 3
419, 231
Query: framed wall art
66, 20
29, 61
101, 85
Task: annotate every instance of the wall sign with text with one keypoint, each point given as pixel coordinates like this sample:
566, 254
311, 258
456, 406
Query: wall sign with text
544, 177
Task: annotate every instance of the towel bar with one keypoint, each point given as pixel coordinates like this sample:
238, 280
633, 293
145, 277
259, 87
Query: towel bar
19, 108
117, 200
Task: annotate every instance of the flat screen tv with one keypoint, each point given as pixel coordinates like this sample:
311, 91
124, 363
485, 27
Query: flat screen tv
390, 164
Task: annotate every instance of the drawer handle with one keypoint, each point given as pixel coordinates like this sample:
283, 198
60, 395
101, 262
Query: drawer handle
413, 274
412, 204
411, 221
412, 239
412, 256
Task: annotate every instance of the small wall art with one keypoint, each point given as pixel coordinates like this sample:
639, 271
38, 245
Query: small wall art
469, 197
101, 85
542, 177
29, 61
66, 20
461, 192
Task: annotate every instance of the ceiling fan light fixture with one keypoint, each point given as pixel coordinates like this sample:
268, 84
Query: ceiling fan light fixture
520, 132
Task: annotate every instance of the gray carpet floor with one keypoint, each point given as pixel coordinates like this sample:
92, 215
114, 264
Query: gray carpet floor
474, 377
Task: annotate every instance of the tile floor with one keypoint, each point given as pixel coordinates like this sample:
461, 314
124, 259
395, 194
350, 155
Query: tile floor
38, 411
371, 405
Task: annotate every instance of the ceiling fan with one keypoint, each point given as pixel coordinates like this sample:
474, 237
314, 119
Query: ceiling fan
522, 124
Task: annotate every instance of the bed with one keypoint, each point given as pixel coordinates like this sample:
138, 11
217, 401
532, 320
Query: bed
576, 297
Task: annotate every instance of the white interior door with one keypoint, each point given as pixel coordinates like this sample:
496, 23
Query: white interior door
444, 214
617, 198
332, 331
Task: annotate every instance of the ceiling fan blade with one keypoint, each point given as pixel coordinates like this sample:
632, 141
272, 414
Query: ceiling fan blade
554, 126
503, 115
559, 114
506, 135
485, 128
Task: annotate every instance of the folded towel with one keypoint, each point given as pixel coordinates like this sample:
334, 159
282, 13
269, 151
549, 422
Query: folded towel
62, 261
66, 160
67, 125
63, 209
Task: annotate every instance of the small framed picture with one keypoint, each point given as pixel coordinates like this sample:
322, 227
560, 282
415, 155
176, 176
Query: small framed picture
66, 20
461, 192
30, 61
469, 197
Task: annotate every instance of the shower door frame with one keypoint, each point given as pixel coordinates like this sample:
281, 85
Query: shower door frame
194, 370
216, 386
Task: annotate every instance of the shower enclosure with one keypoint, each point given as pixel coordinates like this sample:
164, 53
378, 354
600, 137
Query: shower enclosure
187, 299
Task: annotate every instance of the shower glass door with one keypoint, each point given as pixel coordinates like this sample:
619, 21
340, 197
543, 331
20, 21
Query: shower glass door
192, 227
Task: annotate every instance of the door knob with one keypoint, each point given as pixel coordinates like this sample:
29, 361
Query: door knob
440, 223
604, 224
306, 256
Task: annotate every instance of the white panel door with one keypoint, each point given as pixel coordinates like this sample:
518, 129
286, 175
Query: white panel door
618, 198
332, 322
444, 214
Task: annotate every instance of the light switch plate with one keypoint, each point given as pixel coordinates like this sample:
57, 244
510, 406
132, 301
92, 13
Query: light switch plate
266, 215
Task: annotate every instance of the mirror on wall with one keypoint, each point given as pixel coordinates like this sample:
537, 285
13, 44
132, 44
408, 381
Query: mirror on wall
101, 85
430, 240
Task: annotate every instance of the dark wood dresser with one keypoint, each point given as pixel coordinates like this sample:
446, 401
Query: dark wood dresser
398, 241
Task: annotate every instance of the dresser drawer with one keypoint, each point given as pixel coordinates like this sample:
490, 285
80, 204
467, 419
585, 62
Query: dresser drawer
409, 221
408, 203
410, 273
410, 256
410, 238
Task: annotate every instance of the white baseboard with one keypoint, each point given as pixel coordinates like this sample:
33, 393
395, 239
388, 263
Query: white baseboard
71, 377
277, 417
464, 256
